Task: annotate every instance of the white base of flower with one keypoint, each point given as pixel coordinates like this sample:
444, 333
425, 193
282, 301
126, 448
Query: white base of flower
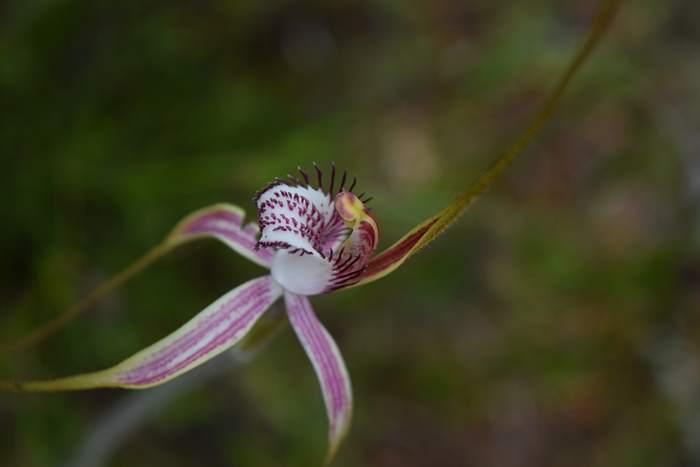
302, 275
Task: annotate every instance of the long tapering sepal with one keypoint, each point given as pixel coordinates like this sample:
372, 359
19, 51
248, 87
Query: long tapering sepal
223, 222
426, 231
214, 330
328, 364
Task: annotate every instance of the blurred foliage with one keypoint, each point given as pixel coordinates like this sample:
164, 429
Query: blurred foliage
556, 324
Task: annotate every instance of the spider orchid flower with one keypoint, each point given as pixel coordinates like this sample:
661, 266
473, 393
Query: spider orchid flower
313, 237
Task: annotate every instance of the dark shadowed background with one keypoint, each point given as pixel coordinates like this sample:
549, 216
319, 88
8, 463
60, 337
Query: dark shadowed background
556, 324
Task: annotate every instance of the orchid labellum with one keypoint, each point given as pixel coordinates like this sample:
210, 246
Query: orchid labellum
314, 235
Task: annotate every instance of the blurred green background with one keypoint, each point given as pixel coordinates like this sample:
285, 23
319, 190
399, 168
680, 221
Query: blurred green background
556, 324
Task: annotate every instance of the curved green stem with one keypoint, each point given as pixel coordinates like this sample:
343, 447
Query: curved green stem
600, 24
390, 259
88, 301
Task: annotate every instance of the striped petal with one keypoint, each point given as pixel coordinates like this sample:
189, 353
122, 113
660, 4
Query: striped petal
328, 364
426, 231
223, 222
218, 327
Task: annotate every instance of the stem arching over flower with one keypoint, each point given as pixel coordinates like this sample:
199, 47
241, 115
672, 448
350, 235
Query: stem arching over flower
314, 240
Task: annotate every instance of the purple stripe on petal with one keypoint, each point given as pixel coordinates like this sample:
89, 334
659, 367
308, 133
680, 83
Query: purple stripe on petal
211, 332
225, 223
328, 364
215, 329
218, 327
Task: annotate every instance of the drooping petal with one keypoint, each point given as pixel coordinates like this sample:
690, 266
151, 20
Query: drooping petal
214, 330
426, 231
328, 364
223, 222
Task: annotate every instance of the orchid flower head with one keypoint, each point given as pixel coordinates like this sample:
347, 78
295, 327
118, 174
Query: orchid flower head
323, 236
313, 237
